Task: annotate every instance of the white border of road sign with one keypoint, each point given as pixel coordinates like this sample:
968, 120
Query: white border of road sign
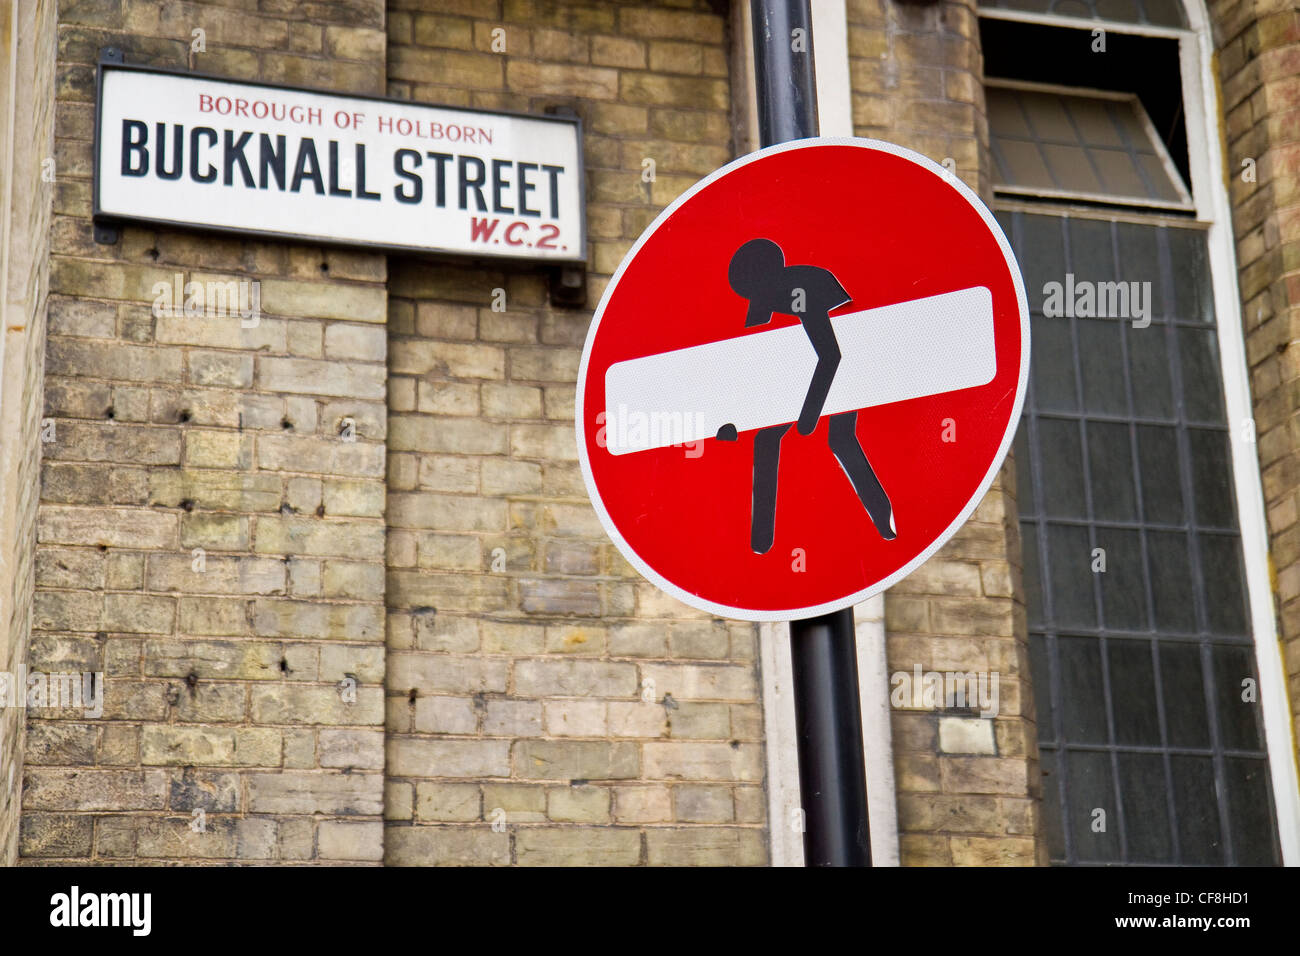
797, 613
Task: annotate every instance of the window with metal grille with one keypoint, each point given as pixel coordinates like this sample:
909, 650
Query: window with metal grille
1140, 646
1142, 652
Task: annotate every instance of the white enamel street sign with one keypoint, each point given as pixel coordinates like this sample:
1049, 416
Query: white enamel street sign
178, 149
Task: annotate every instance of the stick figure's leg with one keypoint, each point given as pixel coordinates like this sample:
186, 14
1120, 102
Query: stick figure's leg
844, 443
767, 456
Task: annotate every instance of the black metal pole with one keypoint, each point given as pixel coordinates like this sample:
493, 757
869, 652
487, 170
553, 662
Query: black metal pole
828, 721
828, 717
783, 70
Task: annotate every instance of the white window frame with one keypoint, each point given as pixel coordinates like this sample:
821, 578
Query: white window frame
1207, 151
835, 115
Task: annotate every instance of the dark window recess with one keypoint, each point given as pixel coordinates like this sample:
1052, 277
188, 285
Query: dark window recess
1140, 670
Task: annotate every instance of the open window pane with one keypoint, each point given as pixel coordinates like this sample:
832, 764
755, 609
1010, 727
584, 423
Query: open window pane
1098, 147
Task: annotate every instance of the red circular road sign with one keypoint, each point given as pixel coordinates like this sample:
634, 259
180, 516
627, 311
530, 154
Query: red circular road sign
802, 378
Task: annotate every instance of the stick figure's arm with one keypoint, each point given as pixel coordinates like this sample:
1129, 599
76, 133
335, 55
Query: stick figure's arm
822, 336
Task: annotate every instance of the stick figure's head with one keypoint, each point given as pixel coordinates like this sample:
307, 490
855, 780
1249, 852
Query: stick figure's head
755, 274
753, 267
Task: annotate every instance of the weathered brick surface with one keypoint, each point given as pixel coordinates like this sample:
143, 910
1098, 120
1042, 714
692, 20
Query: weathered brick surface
1259, 73
212, 532
535, 681
916, 79
26, 142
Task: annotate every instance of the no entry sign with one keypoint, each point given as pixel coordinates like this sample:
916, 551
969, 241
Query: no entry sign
802, 378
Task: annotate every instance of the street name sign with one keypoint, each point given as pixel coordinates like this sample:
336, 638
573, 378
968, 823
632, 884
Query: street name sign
181, 149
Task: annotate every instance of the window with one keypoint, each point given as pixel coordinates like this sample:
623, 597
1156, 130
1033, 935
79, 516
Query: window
1152, 730
1140, 637
1079, 144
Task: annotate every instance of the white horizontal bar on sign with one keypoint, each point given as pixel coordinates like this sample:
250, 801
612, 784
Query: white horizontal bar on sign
890, 354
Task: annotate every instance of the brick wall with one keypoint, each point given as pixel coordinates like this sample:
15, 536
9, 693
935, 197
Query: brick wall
23, 284
969, 795
1259, 69
560, 695
209, 538
509, 666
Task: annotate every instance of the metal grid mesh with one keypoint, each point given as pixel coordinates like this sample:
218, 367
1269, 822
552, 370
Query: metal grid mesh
1157, 13
1138, 670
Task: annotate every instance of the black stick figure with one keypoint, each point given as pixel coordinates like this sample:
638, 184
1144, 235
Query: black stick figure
758, 273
